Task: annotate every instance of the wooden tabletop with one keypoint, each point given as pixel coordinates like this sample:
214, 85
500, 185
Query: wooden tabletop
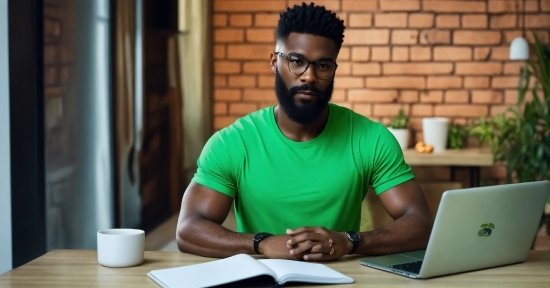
450, 157
79, 268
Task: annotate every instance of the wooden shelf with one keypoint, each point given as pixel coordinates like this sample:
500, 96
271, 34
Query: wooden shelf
450, 157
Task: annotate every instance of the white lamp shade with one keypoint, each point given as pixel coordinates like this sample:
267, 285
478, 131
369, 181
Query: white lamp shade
519, 49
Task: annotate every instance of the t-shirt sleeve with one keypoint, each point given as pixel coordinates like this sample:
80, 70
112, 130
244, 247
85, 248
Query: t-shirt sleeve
215, 166
389, 167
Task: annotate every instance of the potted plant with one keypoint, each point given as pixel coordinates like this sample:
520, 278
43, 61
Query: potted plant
399, 128
521, 136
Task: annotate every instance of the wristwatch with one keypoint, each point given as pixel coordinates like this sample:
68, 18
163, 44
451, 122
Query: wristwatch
354, 238
257, 238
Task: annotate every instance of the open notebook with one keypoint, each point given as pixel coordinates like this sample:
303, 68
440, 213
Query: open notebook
475, 228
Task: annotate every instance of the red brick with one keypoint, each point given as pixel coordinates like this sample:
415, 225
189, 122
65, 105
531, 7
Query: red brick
432, 96
482, 53
359, 6
219, 20
511, 96
359, 20
257, 67
478, 68
219, 51
363, 109
344, 69
421, 20
259, 95
51, 75
343, 16
260, 35
400, 53
404, 37
227, 94
424, 68
545, 6
266, 81
228, 35
369, 95
360, 53
390, 20
457, 96
227, 67
220, 81
502, 6
240, 20
500, 53
364, 69
367, 36
498, 109
476, 82
399, 5
541, 34
332, 5
504, 82
249, 6
51, 54
390, 110
474, 21
504, 21
380, 54
242, 81
466, 37
396, 82
52, 28
266, 19
537, 21
447, 21
461, 110
486, 97
249, 51
428, 37
422, 110
223, 121
452, 53
242, 108
513, 68
452, 6
444, 82
220, 108
421, 53
510, 35
408, 96
349, 82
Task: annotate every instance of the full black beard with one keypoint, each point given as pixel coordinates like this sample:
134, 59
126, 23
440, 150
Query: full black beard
304, 113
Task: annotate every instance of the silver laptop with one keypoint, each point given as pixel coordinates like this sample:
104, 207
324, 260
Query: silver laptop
474, 228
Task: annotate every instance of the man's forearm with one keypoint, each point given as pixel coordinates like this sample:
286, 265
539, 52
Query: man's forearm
209, 239
407, 233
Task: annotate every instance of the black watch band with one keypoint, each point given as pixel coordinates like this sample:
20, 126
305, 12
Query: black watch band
257, 238
354, 238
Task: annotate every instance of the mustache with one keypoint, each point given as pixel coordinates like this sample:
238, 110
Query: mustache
305, 87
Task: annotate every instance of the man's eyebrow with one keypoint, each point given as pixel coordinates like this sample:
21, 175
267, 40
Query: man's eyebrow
298, 55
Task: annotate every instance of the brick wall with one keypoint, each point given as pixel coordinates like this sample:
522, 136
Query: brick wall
432, 57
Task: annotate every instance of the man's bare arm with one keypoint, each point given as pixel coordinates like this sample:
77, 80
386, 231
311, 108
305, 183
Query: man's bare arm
200, 229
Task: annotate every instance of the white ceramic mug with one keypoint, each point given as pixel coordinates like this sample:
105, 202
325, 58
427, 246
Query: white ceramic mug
436, 130
120, 247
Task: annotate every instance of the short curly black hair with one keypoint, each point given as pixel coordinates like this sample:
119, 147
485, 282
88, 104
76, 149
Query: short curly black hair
311, 19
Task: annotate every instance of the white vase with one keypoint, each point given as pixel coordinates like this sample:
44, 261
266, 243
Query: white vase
402, 136
435, 130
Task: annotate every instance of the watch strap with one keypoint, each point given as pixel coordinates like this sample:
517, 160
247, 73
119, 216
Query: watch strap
257, 238
355, 239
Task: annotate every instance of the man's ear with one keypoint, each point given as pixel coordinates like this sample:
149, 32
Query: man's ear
273, 62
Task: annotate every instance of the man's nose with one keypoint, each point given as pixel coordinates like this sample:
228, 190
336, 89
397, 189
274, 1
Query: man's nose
309, 75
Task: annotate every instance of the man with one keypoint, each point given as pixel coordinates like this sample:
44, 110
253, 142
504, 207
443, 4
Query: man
298, 172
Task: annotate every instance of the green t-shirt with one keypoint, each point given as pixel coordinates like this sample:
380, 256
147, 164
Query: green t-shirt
278, 183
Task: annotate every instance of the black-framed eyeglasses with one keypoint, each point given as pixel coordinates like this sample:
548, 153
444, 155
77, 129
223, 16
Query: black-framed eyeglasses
323, 69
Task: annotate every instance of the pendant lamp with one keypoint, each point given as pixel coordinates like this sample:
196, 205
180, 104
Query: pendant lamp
519, 49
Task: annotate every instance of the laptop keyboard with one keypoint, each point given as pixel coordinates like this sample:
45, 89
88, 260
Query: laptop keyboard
413, 267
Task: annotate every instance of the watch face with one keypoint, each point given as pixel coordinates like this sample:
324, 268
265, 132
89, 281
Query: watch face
260, 236
353, 236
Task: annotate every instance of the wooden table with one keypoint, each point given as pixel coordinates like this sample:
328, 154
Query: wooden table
79, 268
471, 158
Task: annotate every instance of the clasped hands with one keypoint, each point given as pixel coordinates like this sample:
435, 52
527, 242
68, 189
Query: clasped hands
307, 243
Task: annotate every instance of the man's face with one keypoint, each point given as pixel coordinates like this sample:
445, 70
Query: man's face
303, 97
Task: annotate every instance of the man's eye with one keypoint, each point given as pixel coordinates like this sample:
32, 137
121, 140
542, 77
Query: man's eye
324, 65
296, 61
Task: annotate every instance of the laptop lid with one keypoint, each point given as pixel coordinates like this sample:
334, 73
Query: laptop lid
482, 227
